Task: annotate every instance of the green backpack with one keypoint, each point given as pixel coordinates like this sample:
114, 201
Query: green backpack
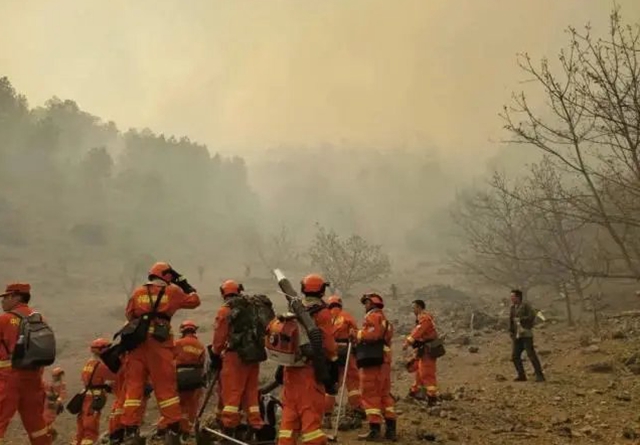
249, 319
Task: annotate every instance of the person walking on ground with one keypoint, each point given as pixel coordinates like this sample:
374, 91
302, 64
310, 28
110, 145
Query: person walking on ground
521, 321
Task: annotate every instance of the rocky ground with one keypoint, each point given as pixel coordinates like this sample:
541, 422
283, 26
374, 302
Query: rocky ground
591, 394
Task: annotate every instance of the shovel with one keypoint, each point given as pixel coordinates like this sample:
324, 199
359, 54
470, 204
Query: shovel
203, 436
334, 437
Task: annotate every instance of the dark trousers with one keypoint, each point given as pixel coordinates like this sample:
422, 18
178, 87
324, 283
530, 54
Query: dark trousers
525, 344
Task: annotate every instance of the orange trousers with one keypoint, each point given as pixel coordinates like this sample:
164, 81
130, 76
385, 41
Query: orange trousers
426, 382
152, 361
189, 404
87, 423
303, 401
239, 389
23, 391
375, 385
352, 387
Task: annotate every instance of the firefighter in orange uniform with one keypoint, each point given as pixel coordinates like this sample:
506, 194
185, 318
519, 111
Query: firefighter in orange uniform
376, 379
344, 324
97, 380
425, 384
189, 355
56, 392
20, 389
167, 292
238, 380
303, 397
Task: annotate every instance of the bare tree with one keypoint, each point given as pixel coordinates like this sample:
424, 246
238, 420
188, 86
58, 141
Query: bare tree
495, 230
279, 250
590, 127
347, 261
133, 271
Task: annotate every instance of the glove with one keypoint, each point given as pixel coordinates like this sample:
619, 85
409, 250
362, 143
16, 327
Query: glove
280, 375
183, 284
148, 389
108, 389
59, 409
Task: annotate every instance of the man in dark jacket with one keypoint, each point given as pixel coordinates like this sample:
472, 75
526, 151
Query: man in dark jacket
521, 321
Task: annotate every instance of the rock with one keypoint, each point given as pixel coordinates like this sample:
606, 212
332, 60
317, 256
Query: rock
544, 352
618, 335
600, 367
635, 369
427, 436
474, 349
446, 396
630, 433
500, 378
557, 399
443, 414
593, 349
625, 397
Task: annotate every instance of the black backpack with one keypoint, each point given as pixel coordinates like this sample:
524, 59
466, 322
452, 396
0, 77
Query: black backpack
250, 316
36, 345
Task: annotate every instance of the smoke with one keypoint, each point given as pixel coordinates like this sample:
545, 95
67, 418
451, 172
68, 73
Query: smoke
244, 75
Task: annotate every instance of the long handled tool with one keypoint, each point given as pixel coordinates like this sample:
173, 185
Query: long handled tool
334, 437
203, 438
224, 436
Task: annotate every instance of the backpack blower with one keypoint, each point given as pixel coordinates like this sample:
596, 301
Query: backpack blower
314, 334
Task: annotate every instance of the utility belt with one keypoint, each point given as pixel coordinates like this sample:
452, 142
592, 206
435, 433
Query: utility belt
343, 347
371, 354
433, 348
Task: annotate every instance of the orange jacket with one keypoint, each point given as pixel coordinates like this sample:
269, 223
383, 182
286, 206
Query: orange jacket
9, 326
102, 376
425, 329
173, 300
343, 324
324, 322
221, 329
189, 351
376, 327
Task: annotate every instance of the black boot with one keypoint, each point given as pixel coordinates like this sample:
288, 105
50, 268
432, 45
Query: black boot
230, 432
373, 435
264, 434
117, 437
132, 436
520, 378
540, 378
172, 436
390, 431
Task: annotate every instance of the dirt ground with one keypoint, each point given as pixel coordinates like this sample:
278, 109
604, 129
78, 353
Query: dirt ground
591, 395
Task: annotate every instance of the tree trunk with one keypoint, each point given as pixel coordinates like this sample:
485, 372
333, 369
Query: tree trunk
567, 300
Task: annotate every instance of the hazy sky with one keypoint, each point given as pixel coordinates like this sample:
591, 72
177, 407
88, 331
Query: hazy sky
248, 74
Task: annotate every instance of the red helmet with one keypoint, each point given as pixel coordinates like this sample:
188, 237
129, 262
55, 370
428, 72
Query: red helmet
374, 298
230, 288
99, 344
161, 270
57, 371
313, 284
188, 325
335, 300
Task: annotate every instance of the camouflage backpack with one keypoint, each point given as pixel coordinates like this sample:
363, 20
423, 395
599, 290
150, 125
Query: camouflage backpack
250, 316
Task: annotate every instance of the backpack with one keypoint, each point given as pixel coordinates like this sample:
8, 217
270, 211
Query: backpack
248, 321
36, 345
283, 341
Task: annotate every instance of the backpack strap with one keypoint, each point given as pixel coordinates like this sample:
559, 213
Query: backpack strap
95, 368
154, 309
